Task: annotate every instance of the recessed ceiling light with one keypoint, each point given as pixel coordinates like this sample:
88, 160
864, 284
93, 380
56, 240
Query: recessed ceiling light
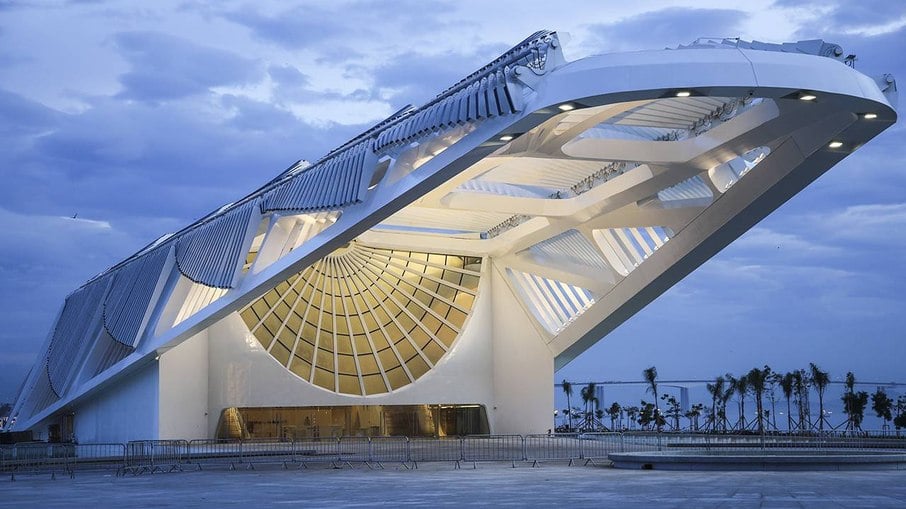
870, 116
835, 144
806, 96
567, 107
683, 93
506, 137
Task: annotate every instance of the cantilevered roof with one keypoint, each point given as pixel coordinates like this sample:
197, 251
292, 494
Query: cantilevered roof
592, 186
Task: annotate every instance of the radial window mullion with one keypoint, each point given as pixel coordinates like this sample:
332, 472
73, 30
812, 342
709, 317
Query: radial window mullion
333, 324
307, 284
412, 317
419, 304
435, 278
322, 267
347, 314
288, 314
429, 292
401, 256
390, 340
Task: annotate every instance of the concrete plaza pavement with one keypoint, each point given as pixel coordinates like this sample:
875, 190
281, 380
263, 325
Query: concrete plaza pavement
439, 484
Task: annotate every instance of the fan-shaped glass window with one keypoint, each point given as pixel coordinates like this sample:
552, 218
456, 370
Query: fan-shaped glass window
366, 321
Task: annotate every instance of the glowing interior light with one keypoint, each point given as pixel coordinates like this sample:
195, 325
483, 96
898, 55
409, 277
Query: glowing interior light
870, 116
506, 137
566, 107
835, 144
805, 96
683, 93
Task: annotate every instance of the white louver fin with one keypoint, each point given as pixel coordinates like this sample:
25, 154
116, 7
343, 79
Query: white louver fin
210, 254
626, 248
553, 303
74, 332
130, 295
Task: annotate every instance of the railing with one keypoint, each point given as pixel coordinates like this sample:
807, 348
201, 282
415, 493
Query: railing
171, 455
44, 458
155, 455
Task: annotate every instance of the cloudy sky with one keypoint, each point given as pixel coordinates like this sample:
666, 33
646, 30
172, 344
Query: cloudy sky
141, 117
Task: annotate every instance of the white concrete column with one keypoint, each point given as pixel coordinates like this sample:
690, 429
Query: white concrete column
183, 392
523, 367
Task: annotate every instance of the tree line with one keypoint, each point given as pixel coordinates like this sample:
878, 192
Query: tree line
763, 387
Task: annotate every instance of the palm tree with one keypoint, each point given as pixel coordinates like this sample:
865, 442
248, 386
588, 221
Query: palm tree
883, 406
694, 412
673, 410
650, 375
588, 398
854, 404
716, 390
800, 386
568, 390
614, 412
820, 379
729, 390
742, 387
773, 379
786, 385
757, 379
632, 412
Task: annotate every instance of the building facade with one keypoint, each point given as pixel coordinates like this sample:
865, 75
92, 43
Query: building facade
430, 275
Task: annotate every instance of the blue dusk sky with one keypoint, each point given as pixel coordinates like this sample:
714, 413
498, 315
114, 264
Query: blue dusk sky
141, 117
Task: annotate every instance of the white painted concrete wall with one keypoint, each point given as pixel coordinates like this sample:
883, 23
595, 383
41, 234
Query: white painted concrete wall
523, 367
243, 374
125, 411
184, 390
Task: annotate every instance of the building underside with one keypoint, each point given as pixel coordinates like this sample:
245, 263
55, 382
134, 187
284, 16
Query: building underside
430, 275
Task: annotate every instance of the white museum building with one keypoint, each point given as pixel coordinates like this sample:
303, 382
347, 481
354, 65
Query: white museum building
429, 276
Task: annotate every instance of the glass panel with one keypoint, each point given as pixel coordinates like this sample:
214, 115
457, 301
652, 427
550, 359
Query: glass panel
305, 350
368, 364
361, 344
374, 384
346, 365
363, 293
280, 352
324, 379
263, 336
350, 384
301, 368
417, 366
325, 360
397, 378
446, 335
388, 359
456, 317
406, 350
434, 352
261, 308
344, 345
271, 298
420, 337
379, 340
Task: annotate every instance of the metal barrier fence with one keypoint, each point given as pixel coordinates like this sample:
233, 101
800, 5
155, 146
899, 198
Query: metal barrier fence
493, 448
435, 449
155, 455
214, 452
311, 450
44, 458
389, 450
170, 455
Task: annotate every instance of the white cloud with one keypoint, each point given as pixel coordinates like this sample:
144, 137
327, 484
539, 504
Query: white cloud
761, 238
872, 223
